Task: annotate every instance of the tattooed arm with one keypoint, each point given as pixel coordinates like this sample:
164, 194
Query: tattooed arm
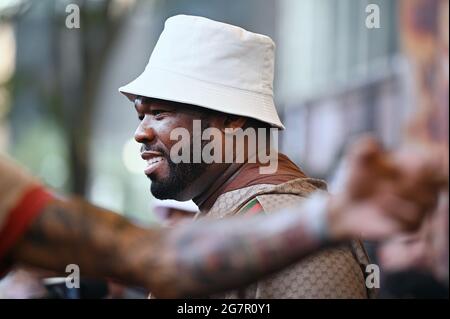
188, 261
40, 230
200, 258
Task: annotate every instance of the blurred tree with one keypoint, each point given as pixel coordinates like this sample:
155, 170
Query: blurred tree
63, 85
81, 59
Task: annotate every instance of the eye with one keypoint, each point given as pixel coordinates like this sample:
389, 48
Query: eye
158, 113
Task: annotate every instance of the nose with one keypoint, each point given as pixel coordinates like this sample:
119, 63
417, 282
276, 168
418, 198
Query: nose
144, 132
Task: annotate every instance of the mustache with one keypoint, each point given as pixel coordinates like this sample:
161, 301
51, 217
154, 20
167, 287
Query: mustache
153, 148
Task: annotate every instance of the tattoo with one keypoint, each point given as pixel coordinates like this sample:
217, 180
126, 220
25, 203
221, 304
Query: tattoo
73, 231
188, 261
221, 255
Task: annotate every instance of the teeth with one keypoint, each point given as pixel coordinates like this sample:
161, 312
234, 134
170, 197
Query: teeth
154, 160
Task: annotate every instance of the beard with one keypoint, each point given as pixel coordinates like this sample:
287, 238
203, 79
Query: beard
180, 177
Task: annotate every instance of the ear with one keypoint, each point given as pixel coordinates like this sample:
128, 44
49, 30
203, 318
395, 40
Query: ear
223, 121
234, 122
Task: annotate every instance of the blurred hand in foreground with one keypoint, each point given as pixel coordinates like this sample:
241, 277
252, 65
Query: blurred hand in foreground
385, 194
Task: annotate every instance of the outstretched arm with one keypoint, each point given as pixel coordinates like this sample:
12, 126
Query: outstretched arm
192, 260
212, 256
41, 230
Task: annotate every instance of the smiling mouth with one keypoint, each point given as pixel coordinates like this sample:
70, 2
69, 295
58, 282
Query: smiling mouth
153, 159
153, 164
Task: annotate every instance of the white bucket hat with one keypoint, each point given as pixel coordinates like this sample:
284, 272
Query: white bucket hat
211, 64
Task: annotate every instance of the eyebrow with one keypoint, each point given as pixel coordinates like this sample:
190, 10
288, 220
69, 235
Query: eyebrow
152, 101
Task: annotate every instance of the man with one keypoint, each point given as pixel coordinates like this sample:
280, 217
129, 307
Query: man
39, 229
206, 78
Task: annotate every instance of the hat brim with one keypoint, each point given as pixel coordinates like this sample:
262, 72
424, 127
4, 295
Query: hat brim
171, 86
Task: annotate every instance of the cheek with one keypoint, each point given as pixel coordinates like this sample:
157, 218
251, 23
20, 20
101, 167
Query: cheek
179, 126
164, 130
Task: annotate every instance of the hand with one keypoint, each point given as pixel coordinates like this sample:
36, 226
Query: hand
385, 193
425, 250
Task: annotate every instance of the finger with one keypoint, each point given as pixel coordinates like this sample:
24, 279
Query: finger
401, 255
407, 215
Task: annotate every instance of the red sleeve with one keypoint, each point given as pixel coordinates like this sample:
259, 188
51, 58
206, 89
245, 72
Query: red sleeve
20, 218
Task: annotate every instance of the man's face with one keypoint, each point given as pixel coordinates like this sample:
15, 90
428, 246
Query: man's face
157, 120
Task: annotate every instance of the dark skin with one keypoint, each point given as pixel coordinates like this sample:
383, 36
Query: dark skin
187, 261
158, 119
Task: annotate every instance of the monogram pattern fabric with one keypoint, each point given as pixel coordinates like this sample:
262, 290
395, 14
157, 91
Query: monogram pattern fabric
335, 272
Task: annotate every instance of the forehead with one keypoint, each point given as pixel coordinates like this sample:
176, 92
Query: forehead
150, 103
